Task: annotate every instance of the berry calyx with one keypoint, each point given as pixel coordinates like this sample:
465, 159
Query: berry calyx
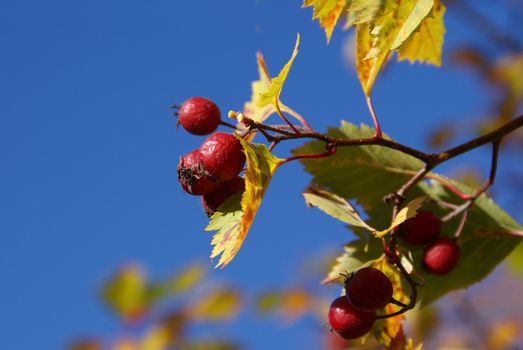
421, 229
199, 116
441, 256
192, 175
349, 322
223, 156
212, 201
369, 289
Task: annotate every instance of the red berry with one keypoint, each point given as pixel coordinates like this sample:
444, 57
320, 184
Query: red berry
192, 175
212, 201
369, 289
223, 156
441, 256
199, 116
421, 229
349, 322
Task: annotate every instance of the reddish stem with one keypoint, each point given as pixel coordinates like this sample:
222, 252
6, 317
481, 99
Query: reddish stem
377, 133
331, 150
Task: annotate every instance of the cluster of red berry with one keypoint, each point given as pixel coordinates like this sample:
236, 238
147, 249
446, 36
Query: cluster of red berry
212, 170
441, 254
366, 291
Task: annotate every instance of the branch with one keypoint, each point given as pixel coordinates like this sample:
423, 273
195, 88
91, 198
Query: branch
493, 136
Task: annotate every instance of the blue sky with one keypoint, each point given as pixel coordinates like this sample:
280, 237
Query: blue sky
89, 148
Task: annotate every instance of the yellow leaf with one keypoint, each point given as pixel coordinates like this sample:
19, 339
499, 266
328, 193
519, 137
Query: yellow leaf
426, 44
272, 94
389, 330
375, 41
233, 226
216, 306
413, 18
362, 11
407, 212
327, 12
251, 108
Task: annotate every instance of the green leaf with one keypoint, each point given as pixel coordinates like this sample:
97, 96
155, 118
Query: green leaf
335, 206
233, 222
272, 94
368, 173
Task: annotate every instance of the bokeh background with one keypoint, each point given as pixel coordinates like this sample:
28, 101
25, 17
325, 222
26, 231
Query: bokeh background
89, 150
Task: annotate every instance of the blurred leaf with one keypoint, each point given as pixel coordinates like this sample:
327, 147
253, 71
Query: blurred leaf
426, 44
291, 303
272, 94
503, 334
208, 345
85, 344
126, 344
423, 321
157, 338
218, 305
181, 283
441, 136
126, 293
509, 71
515, 260
233, 226
327, 12
368, 173
269, 302
335, 206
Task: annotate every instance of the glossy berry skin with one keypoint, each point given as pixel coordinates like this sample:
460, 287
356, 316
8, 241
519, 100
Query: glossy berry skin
211, 202
223, 156
199, 116
349, 322
421, 229
369, 289
441, 256
192, 175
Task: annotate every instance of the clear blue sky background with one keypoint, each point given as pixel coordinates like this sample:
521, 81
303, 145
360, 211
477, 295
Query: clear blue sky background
89, 149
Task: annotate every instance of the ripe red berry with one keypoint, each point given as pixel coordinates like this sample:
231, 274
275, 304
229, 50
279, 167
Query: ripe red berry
192, 175
349, 322
441, 256
199, 116
369, 289
223, 156
212, 201
421, 229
